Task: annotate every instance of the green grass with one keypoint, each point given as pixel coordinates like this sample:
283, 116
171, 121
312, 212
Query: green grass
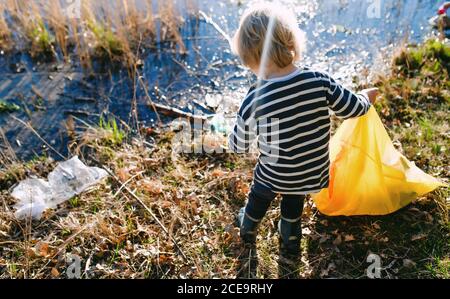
42, 41
116, 135
74, 202
427, 129
433, 57
107, 43
8, 107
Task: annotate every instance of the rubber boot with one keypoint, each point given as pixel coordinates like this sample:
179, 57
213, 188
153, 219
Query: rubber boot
248, 228
248, 260
290, 252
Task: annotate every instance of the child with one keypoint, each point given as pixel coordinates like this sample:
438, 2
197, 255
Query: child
287, 111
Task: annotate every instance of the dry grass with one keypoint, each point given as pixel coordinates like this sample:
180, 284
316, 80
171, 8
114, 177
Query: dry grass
115, 233
59, 25
104, 29
5, 33
196, 197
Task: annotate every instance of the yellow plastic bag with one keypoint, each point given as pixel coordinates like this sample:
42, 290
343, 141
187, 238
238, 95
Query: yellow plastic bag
368, 176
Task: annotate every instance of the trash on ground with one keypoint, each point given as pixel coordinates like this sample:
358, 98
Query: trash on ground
69, 179
222, 124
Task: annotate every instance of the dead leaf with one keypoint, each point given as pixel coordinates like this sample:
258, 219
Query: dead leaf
217, 173
349, 238
166, 204
55, 273
152, 186
376, 226
123, 174
42, 249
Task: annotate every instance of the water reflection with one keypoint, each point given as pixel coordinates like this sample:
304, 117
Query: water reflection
345, 38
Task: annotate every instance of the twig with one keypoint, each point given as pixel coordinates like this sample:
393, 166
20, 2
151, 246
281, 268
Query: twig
150, 212
72, 237
9, 153
170, 111
210, 21
61, 247
134, 106
127, 182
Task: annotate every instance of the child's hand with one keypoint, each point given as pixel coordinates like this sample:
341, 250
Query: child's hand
372, 94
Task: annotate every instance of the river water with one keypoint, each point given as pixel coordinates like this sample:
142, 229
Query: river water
347, 38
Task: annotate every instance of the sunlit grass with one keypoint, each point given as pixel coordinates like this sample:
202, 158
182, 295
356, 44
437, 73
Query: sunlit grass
5, 33
6, 106
42, 41
103, 29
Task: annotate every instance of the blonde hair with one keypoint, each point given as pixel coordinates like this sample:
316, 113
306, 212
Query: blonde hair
287, 40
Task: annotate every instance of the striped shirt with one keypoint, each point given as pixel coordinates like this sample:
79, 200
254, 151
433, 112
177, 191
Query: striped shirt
290, 118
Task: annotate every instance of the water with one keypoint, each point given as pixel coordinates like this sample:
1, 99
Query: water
342, 40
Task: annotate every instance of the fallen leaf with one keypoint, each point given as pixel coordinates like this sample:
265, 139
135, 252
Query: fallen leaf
166, 204
152, 186
42, 249
55, 273
217, 173
123, 174
349, 238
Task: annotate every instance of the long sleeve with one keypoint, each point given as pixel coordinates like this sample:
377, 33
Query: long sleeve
245, 130
343, 102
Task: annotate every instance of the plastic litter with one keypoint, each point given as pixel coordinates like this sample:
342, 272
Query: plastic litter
368, 176
34, 196
222, 124
67, 180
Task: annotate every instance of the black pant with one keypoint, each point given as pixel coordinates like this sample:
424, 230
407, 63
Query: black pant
261, 197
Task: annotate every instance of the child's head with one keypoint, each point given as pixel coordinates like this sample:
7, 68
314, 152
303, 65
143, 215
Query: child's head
286, 41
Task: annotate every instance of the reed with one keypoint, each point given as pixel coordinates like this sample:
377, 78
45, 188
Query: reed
32, 27
104, 29
135, 25
170, 25
5, 33
59, 25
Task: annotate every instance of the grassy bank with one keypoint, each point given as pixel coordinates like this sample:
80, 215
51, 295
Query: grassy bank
196, 197
93, 30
